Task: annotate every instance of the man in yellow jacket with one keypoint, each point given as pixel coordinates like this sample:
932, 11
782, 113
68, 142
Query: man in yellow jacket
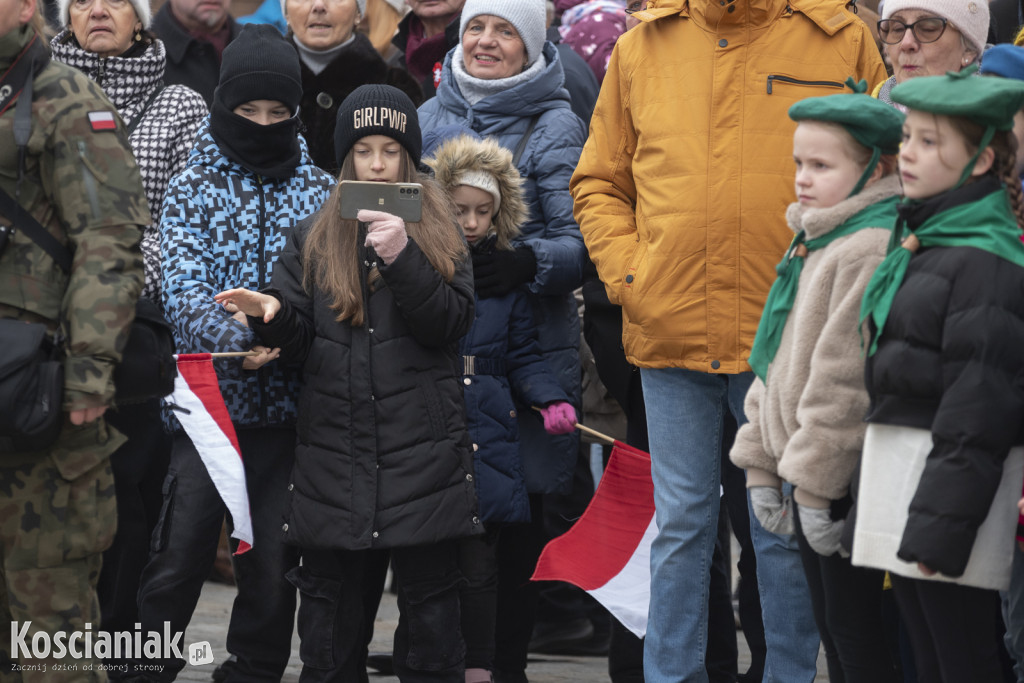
681, 194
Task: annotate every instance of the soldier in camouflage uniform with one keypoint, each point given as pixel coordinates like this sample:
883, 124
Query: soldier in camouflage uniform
57, 508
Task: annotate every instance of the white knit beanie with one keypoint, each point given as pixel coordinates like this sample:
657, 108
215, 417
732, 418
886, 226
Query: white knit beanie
481, 180
141, 10
360, 7
970, 17
528, 16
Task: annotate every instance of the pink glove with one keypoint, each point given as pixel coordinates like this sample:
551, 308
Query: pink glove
386, 233
559, 418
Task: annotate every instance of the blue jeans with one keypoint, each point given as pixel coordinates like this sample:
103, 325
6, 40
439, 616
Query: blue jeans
1013, 614
789, 627
685, 412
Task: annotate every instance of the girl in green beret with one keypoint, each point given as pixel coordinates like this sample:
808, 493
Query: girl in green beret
944, 450
807, 403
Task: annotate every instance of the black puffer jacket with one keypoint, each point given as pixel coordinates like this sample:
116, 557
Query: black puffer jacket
951, 360
355, 65
384, 459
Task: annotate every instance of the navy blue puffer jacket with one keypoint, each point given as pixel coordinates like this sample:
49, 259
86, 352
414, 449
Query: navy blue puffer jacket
505, 358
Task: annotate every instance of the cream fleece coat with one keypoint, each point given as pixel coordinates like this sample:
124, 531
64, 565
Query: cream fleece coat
806, 426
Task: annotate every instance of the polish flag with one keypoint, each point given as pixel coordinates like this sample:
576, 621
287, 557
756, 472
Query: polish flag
102, 120
206, 421
607, 552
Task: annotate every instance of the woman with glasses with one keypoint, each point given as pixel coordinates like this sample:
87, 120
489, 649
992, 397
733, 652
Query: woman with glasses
111, 42
929, 38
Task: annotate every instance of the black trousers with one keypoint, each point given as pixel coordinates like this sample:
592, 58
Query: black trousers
952, 630
848, 609
184, 546
478, 561
139, 469
519, 546
340, 591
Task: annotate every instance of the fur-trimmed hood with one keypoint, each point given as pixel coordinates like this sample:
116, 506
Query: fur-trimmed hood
461, 154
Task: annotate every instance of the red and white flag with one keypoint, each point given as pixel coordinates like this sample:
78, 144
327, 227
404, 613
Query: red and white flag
207, 422
607, 552
102, 120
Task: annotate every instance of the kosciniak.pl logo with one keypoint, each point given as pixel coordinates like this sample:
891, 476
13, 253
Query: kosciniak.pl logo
89, 644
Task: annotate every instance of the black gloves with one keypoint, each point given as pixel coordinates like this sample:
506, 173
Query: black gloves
499, 272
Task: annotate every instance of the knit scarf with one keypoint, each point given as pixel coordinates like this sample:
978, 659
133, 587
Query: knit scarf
783, 291
976, 215
475, 89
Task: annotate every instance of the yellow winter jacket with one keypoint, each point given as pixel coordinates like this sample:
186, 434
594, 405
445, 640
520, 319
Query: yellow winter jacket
682, 188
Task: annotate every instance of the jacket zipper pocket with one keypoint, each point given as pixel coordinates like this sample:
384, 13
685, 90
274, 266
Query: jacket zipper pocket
797, 81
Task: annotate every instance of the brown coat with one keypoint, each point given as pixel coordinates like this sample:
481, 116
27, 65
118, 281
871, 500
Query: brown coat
807, 424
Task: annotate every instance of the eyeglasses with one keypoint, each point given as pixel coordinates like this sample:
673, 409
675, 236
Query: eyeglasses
926, 30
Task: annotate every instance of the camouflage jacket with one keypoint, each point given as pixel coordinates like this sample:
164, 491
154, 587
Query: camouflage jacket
82, 184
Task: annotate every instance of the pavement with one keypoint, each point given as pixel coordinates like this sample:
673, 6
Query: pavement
210, 624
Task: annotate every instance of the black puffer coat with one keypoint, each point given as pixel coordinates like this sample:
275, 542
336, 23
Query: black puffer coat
951, 360
383, 457
355, 65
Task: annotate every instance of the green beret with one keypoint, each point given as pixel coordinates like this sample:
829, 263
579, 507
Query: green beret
989, 102
871, 122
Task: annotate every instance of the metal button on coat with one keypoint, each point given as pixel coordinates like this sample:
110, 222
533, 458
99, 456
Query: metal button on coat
723, 42
469, 477
291, 487
284, 528
715, 365
476, 448
511, 413
467, 381
375, 534
629, 278
324, 100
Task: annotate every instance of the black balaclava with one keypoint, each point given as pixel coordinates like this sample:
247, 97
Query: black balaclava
258, 65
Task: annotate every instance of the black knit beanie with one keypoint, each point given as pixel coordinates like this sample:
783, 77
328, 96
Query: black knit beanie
260, 65
377, 110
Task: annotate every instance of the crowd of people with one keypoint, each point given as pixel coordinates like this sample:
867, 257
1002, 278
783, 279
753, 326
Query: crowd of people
796, 230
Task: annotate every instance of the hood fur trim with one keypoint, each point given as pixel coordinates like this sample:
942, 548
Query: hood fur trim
463, 154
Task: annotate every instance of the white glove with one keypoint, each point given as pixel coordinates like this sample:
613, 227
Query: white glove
821, 531
773, 511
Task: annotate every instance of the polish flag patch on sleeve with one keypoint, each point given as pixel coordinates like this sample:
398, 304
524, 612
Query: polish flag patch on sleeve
102, 120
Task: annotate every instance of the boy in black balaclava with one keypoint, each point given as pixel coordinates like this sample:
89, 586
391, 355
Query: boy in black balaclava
225, 219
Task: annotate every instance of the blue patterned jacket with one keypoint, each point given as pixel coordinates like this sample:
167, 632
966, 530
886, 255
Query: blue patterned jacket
222, 227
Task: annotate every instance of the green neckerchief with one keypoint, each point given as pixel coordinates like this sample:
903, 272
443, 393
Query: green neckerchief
783, 291
986, 223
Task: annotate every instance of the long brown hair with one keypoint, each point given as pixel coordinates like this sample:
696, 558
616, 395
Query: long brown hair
330, 255
1004, 166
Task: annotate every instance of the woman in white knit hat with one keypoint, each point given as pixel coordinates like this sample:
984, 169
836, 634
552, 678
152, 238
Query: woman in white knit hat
930, 37
110, 42
505, 81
